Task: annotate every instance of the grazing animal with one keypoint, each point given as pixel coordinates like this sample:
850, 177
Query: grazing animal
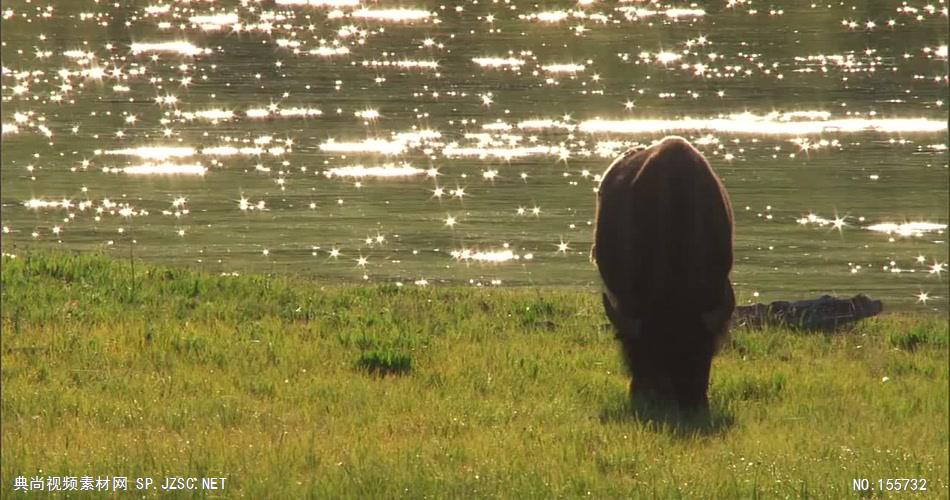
663, 246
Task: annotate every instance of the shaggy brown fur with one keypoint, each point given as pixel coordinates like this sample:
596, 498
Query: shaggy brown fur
663, 246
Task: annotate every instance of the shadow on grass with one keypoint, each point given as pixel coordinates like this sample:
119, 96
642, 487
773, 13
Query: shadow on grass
665, 419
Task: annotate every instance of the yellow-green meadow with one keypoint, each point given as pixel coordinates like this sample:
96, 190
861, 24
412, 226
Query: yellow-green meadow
293, 388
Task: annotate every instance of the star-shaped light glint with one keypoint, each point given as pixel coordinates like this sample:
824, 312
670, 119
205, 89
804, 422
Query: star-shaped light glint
838, 223
937, 268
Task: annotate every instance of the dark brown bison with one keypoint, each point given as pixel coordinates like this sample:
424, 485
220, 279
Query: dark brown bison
663, 246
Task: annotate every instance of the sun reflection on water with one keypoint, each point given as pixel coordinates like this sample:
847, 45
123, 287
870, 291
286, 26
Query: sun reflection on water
378, 171
747, 123
183, 48
395, 135
164, 169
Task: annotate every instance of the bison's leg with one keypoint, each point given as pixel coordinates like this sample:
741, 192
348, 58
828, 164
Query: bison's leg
650, 363
692, 380
650, 385
649, 381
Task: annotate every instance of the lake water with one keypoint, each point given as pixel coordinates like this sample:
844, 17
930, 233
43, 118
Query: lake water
460, 143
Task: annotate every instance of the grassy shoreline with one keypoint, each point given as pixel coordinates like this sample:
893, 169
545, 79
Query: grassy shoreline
290, 388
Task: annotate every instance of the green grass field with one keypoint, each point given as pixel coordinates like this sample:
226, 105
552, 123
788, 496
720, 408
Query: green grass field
292, 389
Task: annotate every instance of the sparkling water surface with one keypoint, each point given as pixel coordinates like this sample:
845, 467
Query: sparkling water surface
461, 143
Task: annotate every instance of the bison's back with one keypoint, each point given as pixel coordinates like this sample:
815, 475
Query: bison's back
663, 239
